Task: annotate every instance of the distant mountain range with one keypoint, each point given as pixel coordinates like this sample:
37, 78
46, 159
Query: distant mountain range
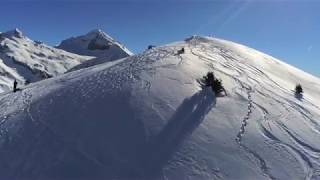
26, 60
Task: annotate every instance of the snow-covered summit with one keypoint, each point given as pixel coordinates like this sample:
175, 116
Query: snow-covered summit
100, 33
146, 117
13, 33
27, 61
96, 43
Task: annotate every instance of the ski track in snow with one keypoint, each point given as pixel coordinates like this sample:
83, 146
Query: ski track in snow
262, 163
303, 152
297, 153
245, 119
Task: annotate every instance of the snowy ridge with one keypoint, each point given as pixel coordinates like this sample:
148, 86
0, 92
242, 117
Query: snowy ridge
26, 60
145, 117
93, 62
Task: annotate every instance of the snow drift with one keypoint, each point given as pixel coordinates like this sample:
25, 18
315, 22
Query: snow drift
145, 117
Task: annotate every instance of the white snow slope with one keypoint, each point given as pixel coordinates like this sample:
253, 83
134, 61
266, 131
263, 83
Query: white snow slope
24, 59
96, 43
145, 117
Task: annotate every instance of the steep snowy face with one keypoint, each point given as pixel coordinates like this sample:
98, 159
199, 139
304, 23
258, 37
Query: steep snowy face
96, 43
146, 117
26, 60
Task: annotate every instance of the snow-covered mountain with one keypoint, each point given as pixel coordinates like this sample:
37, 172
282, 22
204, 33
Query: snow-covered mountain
145, 117
96, 43
26, 60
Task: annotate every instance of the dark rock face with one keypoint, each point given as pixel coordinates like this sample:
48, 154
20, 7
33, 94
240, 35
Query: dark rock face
95, 45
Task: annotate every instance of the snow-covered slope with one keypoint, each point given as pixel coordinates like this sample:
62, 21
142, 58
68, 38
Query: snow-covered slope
96, 43
26, 60
145, 117
93, 62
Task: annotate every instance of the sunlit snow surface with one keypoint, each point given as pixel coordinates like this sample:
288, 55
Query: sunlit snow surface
145, 117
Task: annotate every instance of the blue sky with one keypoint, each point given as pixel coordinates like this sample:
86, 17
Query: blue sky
287, 29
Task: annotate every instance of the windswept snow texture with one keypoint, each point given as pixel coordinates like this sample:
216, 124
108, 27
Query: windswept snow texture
145, 117
96, 43
26, 60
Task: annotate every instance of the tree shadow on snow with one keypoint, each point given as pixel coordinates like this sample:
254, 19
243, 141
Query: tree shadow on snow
183, 122
298, 96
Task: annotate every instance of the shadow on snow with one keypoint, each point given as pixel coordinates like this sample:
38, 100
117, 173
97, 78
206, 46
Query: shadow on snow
183, 122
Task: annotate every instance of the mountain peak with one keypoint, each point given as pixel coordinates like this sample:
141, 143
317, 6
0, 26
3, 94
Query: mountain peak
15, 32
95, 43
96, 31
99, 34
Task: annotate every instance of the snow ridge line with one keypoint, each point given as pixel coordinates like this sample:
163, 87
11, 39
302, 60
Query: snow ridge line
245, 119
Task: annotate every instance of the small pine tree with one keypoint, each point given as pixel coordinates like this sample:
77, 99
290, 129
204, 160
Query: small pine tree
215, 84
298, 92
298, 89
207, 80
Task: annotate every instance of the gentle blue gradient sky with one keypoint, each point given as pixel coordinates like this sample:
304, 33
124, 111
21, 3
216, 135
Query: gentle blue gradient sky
288, 30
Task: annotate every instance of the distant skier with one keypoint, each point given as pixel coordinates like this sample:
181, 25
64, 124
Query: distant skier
15, 83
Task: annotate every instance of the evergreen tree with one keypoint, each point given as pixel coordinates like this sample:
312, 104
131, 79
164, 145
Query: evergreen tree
298, 92
215, 84
298, 89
